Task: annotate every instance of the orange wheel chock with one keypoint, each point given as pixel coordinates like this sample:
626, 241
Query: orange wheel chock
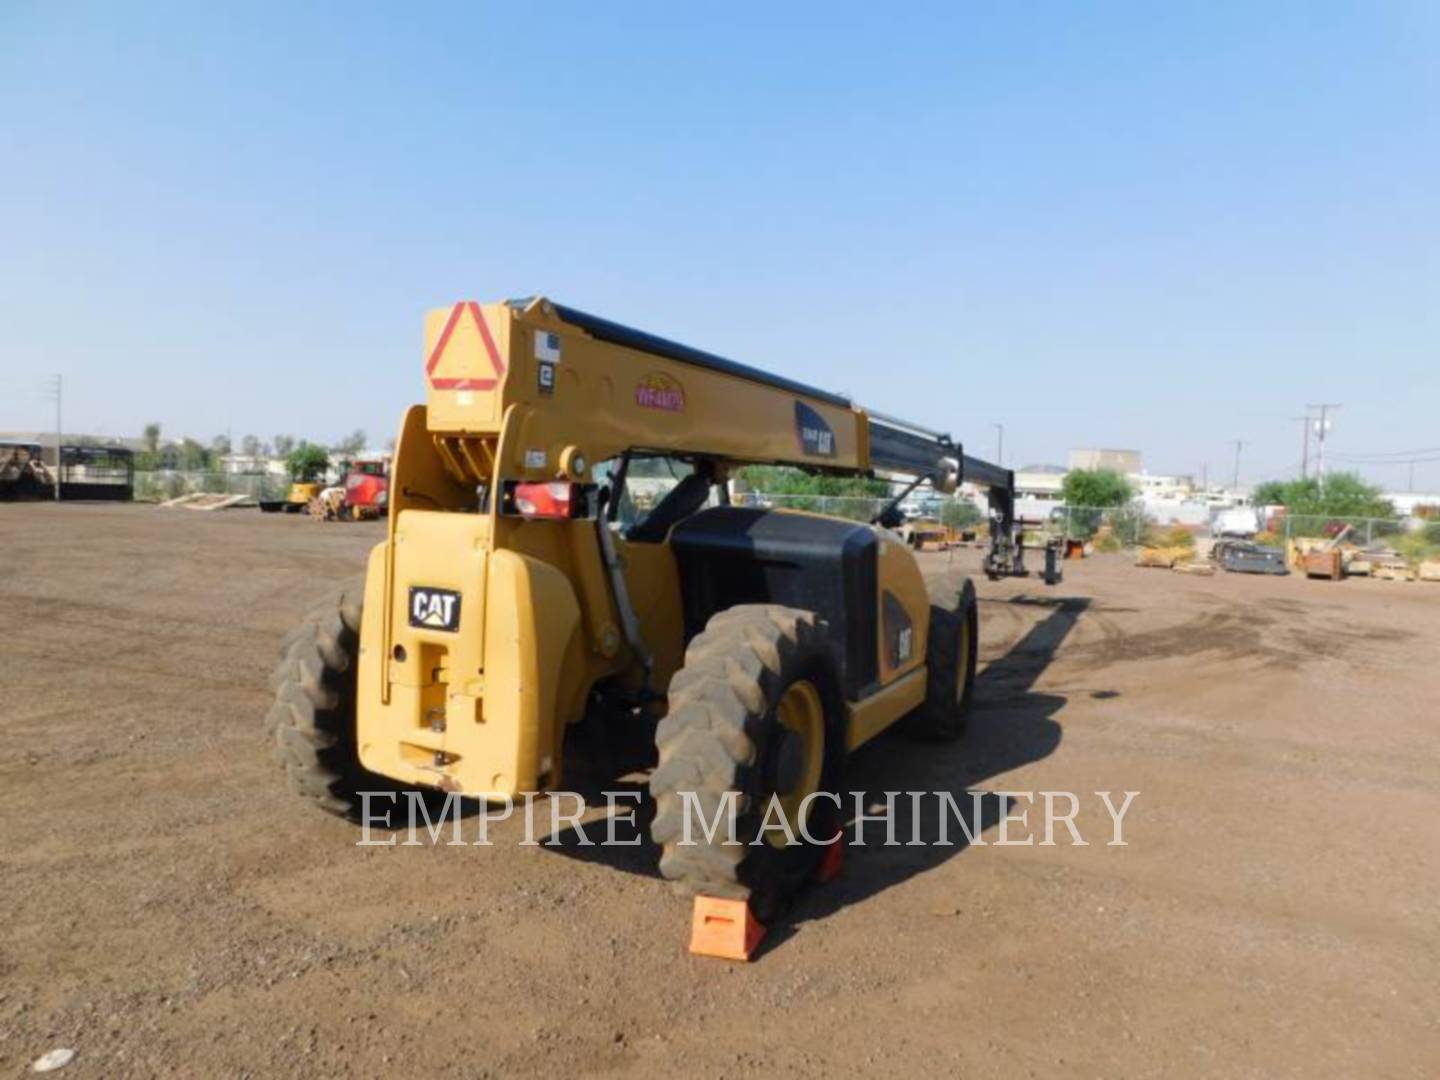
833, 861
724, 928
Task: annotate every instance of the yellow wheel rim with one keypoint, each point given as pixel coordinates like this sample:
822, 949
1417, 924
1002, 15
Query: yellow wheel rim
802, 714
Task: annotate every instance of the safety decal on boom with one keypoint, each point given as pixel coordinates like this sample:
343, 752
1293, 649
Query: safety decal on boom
547, 355
465, 356
547, 346
816, 438
659, 391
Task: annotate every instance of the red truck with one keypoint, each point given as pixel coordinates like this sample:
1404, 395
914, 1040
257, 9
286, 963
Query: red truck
367, 488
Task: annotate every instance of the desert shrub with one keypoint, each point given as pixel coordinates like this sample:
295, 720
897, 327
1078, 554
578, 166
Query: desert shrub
1416, 548
1106, 541
1129, 524
1181, 536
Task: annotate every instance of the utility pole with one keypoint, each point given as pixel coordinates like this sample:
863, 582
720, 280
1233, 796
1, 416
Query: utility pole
1235, 482
1411, 486
999, 444
59, 435
1205, 478
1321, 427
1305, 422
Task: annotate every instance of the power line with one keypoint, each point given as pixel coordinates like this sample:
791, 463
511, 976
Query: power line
1357, 460
1397, 455
1409, 462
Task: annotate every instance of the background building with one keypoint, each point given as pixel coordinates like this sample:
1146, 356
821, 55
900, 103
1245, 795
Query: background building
1121, 461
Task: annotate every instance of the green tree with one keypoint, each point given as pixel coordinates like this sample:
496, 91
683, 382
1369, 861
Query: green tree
352, 444
959, 514
307, 462
1088, 493
283, 445
1270, 493
193, 457
149, 459
782, 480
1096, 487
1343, 494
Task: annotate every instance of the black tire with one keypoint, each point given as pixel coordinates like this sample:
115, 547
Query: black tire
311, 723
722, 734
950, 656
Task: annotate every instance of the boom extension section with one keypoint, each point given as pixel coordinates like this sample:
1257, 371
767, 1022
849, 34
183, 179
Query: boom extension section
894, 446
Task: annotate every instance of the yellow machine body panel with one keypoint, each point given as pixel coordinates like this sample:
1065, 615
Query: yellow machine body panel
301, 492
475, 703
904, 607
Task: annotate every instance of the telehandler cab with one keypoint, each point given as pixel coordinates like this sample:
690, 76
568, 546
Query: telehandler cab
520, 584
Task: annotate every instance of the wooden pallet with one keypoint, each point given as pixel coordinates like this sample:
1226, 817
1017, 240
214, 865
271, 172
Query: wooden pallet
1393, 572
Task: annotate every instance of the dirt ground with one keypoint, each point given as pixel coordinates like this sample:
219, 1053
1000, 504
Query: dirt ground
168, 909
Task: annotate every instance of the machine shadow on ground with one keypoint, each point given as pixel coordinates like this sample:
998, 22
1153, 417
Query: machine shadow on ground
1011, 725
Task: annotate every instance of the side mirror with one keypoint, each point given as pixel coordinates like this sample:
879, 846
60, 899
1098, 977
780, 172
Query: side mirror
947, 477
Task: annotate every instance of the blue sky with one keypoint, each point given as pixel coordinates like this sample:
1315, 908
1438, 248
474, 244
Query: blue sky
1150, 225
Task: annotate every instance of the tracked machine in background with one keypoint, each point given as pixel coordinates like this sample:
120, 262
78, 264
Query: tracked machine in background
304, 489
519, 589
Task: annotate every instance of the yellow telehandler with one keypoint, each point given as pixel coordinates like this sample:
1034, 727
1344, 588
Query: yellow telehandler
531, 572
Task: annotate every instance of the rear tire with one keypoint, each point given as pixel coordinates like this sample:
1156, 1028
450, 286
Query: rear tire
312, 721
755, 711
950, 656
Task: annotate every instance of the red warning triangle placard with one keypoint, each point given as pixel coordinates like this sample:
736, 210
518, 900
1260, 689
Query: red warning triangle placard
465, 356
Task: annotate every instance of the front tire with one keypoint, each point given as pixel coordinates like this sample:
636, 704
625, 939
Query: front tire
950, 655
755, 711
312, 720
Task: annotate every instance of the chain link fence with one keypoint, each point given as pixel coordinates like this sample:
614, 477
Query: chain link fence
958, 513
854, 507
1132, 525
1362, 530
1124, 526
163, 484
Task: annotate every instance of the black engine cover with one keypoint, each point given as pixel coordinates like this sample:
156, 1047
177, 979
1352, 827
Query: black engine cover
732, 555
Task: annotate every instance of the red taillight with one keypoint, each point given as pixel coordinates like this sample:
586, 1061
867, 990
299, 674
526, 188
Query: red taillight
555, 499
